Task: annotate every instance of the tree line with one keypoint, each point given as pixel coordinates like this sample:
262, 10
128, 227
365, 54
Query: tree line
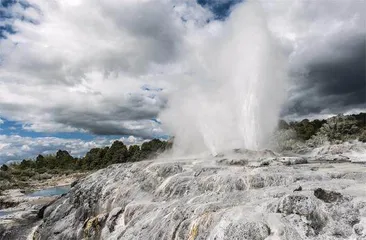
95, 158
337, 128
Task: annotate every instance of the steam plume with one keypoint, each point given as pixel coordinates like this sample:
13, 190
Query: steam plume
233, 91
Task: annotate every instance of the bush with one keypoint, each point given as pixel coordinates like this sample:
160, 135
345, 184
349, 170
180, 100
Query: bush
53, 171
41, 170
23, 178
27, 173
5, 175
4, 168
16, 172
20, 184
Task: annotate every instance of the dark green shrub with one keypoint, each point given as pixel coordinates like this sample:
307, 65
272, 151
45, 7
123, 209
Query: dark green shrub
41, 170
27, 173
53, 171
4, 168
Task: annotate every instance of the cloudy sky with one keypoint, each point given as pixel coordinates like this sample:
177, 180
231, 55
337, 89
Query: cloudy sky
82, 73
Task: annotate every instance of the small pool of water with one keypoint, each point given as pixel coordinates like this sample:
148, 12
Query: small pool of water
3, 213
50, 191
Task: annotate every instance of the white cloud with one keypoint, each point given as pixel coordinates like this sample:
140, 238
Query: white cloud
312, 29
1, 121
82, 66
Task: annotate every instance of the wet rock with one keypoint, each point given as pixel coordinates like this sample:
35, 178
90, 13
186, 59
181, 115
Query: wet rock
265, 162
255, 155
293, 160
74, 183
257, 181
296, 204
7, 204
334, 158
304, 206
327, 196
237, 162
113, 217
341, 231
41, 211
359, 229
19, 227
247, 231
344, 212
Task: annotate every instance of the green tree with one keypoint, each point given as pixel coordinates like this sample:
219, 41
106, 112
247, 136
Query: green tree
134, 153
40, 161
64, 160
340, 128
152, 148
306, 129
92, 159
25, 164
117, 153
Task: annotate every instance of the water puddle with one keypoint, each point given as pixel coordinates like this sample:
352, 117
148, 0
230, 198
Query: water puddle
4, 213
50, 191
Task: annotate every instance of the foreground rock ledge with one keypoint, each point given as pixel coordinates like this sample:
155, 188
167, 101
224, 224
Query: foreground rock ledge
208, 199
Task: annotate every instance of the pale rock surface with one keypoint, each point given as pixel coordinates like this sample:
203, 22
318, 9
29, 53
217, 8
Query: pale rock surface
230, 196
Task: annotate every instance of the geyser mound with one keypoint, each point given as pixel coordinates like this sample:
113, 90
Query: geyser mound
232, 95
228, 197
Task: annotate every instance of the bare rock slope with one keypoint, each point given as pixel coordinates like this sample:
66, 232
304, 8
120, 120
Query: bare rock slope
220, 197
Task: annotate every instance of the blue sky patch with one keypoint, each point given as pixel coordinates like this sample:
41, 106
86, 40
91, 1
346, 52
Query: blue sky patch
16, 128
221, 8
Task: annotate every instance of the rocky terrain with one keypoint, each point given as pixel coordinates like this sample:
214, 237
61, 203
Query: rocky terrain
236, 195
20, 216
21, 212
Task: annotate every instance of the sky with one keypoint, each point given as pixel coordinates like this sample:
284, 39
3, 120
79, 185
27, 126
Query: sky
83, 73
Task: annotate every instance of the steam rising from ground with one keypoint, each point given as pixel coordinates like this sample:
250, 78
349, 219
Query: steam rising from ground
233, 91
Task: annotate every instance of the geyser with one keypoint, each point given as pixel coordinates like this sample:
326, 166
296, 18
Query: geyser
233, 90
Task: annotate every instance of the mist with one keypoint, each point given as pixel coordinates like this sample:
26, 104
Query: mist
232, 91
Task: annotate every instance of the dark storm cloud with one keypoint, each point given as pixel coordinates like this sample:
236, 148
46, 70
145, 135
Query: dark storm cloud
325, 43
131, 118
333, 84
